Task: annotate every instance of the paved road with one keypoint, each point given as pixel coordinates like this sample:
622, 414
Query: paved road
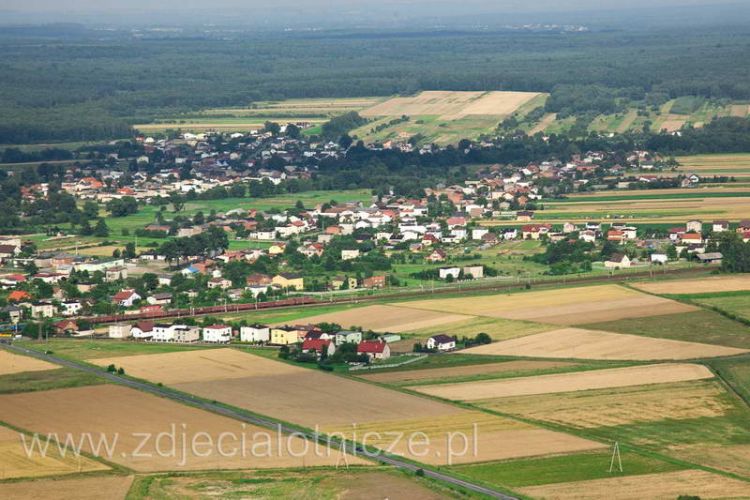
350, 448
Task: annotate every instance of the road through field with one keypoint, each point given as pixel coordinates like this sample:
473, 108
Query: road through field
349, 447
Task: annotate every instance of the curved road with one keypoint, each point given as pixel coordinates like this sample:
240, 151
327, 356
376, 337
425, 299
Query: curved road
350, 447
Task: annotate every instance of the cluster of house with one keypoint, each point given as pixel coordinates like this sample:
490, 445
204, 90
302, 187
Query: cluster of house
309, 338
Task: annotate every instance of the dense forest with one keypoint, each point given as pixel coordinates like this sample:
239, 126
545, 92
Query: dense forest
83, 84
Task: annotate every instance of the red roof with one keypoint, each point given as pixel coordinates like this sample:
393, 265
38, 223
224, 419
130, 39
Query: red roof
17, 295
315, 344
124, 295
371, 347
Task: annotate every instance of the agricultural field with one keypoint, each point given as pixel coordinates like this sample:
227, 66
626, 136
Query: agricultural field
592, 408
694, 483
565, 306
13, 363
386, 318
82, 350
470, 372
580, 343
566, 382
57, 378
696, 286
253, 117
341, 405
735, 304
735, 164
443, 117
129, 413
324, 484
671, 116
646, 208
89, 487
16, 463
572, 467
701, 326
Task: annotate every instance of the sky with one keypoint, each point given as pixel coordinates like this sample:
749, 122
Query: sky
310, 12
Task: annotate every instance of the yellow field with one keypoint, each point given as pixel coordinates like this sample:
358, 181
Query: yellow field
13, 363
464, 371
99, 251
497, 328
621, 406
567, 382
496, 438
277, 389
570, 306
667, 485
16, 463
115, 410
703, 285
451, 105
84, 488
699, 163
595, 344
314, 398
387, 318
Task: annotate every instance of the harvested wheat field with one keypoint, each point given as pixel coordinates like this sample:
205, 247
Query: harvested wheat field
387, 318
14, 363
16, 463
487, 437
452, 105
620, 406
595, 344
567, 306
464, 371
566, 382
277, 389
729, 458
668, 485
85, 488
309, 398
496, 328
703, 285
114, 410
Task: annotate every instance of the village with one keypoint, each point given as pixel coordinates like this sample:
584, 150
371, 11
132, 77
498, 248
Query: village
339, 247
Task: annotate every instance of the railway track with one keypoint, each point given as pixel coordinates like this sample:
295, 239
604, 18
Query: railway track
311, 302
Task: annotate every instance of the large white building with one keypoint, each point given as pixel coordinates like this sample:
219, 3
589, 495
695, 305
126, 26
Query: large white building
119, 331
217, 333
255, 333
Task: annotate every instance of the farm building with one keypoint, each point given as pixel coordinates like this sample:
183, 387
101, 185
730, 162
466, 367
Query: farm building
319, 346
617, 261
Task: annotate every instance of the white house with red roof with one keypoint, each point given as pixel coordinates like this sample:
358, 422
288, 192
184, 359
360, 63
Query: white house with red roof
374, 349
126, 298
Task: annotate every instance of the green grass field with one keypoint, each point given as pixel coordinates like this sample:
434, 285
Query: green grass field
706, 327
81, 350
45, 380
564, 468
